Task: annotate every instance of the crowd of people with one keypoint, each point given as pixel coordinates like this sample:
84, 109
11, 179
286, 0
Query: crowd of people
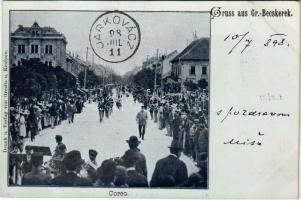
183, 116
105, 104
29, 116
129, 170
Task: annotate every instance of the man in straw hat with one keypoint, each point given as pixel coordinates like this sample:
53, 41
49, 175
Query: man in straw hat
133, 156
170, 171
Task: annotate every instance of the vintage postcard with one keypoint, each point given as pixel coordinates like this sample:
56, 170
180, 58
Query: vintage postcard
150, 99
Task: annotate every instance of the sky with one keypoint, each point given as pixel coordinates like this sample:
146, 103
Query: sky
165, 31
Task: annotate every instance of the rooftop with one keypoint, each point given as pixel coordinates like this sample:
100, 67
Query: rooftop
198, 50
37, 31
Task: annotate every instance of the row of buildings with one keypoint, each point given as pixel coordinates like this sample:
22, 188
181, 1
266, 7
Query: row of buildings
49, 46
190, 65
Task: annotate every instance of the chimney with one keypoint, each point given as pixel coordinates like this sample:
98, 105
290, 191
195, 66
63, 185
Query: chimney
195, 37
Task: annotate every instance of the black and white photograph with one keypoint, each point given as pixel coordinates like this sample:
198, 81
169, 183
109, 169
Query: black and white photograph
111, 99
150, 99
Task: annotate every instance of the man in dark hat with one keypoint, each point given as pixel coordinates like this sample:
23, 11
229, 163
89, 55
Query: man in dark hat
141, 119
91, 165
36, 176
73, 164
170, 171
133, 156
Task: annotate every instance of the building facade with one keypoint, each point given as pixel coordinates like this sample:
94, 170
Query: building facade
192, 64
166, 64
74, 64
44, 43
148, 63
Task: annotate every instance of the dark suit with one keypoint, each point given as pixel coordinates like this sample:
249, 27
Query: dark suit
70, 179
133, 157
169, 172
176, 127
136, 179
36, 178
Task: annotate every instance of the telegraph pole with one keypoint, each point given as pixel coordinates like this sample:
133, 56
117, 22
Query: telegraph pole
86, 68
103, 76
163, 57
111, 73
155, 82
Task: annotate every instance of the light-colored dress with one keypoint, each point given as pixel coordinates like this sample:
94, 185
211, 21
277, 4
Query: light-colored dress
22, 126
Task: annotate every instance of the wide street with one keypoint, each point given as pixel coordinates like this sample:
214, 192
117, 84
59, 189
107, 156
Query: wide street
109, 137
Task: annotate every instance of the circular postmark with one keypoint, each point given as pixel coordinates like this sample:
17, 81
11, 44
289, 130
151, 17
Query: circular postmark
115, 36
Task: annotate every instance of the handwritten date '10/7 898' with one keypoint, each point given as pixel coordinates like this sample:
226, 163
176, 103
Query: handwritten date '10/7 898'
243, 41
